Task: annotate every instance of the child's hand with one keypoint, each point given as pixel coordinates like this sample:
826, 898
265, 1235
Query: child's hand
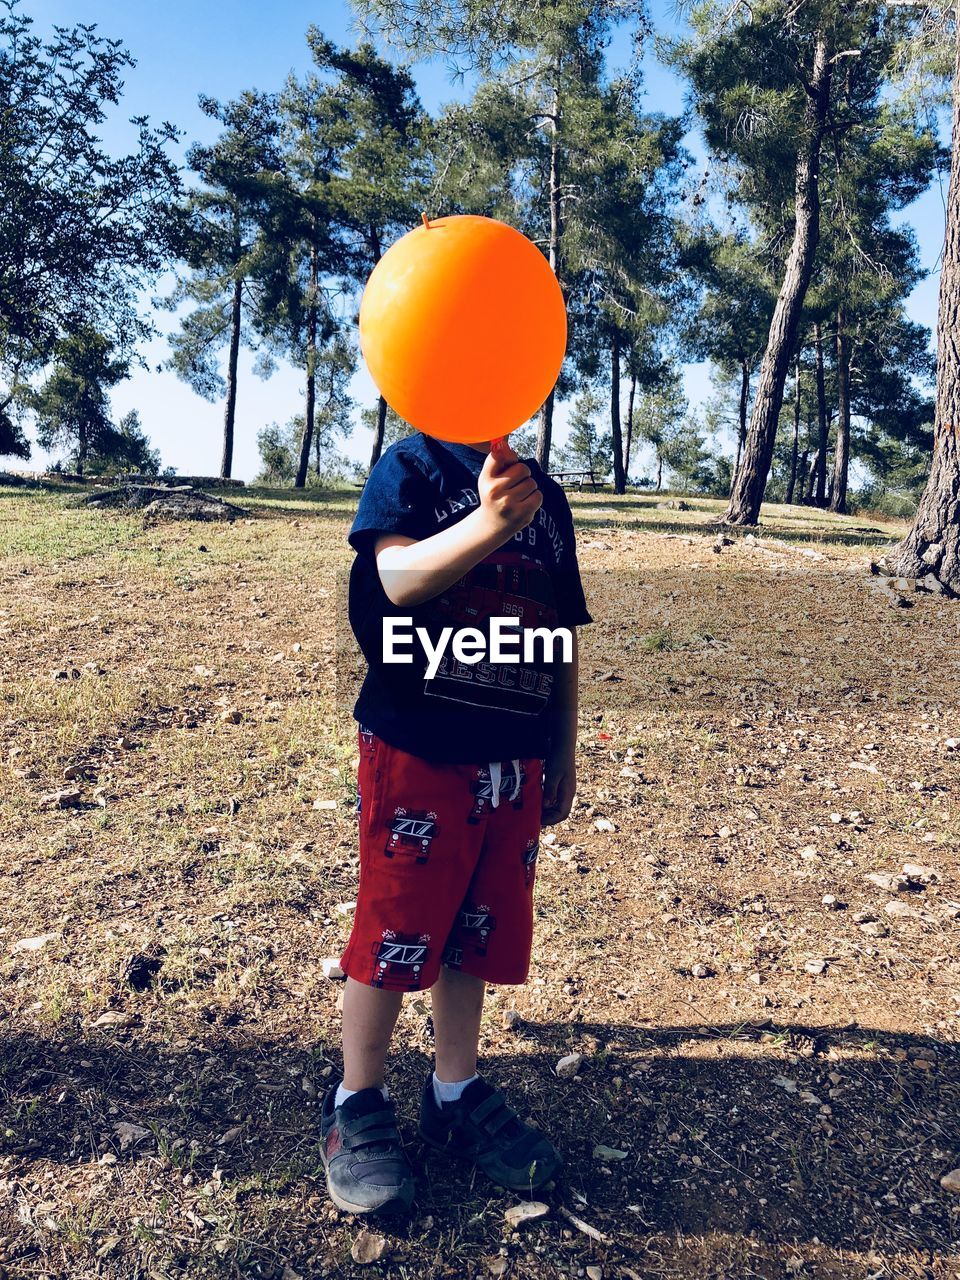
509, 496
559, 788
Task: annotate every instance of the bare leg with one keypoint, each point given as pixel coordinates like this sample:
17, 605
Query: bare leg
457, 1006
369, 1016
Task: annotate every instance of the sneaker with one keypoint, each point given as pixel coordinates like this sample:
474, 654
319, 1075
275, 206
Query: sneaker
480, 1127
367, 1171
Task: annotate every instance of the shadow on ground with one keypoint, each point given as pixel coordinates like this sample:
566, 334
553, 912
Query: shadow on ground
782, 1135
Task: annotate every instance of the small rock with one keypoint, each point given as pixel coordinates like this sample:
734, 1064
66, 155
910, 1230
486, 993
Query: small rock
345, 908
601, 1152
368, 1247
594, 1272
129, 1134
511, 1020
889, 881
325, 804
604, 824
331, 969
570, 1065
497, 1265
526, 1211
232, 715
903, 911
930, 582
113, 1018
67, 798
918, 876
809, 854
33, 944
701, 971
951, 1181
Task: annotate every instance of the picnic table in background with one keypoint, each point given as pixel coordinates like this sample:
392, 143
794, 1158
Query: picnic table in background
573, 477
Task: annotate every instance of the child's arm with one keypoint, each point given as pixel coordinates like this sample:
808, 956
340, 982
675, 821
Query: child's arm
412, 571
560, 768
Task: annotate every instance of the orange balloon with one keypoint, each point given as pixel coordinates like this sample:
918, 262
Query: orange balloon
463, 328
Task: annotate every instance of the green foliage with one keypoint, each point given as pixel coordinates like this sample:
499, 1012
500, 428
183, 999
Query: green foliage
220, 237
587, 447
124, 448
72, 407
279, 449
81, 232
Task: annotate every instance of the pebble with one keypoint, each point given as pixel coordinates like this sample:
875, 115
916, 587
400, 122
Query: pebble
951, 1181
569, 1066
701, 971
511, 1020
331, 969
368, 1248
526, 1211
889, 881
33, 944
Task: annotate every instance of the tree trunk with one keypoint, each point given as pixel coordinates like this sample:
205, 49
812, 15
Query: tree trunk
933, 543
311, 398
810, 480
378, 432
616, 434
747, 492
659, 471
230, 411
841, 456
823, 425
629, 441
545, 416
794, 452
744, 403
83, 440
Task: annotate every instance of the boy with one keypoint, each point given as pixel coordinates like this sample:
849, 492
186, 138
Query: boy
458, 770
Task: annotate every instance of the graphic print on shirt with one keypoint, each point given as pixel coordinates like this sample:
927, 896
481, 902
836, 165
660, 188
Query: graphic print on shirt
507, 584
411, 832
511, 787
399, 959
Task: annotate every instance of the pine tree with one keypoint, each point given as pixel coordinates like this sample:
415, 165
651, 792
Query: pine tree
221, 244
72, 407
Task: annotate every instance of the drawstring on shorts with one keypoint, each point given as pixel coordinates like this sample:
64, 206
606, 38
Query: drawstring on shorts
496, 773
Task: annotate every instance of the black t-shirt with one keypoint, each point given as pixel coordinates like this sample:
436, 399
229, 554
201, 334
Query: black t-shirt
467, 712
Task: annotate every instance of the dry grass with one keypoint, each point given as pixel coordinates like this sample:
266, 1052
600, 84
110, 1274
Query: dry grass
762, 729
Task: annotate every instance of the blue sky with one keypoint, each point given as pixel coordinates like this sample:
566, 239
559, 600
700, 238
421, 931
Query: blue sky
185, 48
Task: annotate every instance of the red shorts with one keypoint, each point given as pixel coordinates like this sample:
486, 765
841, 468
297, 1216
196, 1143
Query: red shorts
448, 857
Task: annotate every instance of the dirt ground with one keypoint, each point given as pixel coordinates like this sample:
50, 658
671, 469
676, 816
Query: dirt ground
769, 1084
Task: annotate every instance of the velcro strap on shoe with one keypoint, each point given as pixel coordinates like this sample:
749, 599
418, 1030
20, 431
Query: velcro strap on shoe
492, 1114
361, 1126
370, 1137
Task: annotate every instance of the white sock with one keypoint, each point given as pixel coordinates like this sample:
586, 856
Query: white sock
450, 1091
343, 1094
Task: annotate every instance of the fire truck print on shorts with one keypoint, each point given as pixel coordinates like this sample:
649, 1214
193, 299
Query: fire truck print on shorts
399, 959
411, 832
530, 859
482, 789
473, 928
